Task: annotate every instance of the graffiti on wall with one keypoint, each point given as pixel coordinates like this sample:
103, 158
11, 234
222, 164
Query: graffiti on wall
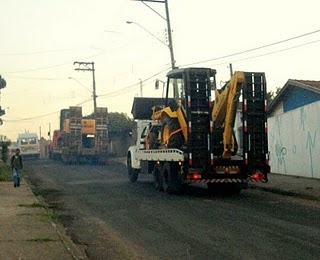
294, 141
310, 146
279, 150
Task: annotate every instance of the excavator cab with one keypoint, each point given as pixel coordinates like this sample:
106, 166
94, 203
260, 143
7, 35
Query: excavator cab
186, 122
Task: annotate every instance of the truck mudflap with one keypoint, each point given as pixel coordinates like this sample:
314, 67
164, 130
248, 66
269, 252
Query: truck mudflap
226, 180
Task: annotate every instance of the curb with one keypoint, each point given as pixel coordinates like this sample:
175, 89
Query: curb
73, 249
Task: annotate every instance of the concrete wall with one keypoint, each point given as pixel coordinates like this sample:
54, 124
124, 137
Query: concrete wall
294, 142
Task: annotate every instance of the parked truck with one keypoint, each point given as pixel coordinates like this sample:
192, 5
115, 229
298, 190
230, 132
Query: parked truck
81, 139
187, 138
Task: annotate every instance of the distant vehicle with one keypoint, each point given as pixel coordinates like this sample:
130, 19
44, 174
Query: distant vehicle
29, 146
79, 138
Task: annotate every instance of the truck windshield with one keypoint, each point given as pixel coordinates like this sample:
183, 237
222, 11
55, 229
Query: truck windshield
26, 141
176, 89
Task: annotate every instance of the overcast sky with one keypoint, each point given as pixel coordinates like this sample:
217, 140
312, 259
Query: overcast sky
40, 40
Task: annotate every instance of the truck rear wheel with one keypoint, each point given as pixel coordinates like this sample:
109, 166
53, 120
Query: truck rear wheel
132, 173
171, 180
157, 178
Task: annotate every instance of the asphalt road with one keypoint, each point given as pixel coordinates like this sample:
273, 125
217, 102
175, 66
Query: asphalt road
114, 219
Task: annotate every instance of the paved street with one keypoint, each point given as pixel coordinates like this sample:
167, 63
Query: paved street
116, 219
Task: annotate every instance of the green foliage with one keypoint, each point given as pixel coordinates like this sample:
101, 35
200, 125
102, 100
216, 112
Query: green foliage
272, 94
4, 150
5, 172
119, 124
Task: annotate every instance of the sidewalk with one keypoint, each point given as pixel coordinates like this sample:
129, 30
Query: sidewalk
27, 231
302, 187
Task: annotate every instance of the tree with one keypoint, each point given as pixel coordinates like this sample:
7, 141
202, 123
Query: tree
272, 94
4, 150
3, 83
119, 124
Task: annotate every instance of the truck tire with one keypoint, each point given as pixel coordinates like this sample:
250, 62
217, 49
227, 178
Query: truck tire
171, 180
157, 178
132, 173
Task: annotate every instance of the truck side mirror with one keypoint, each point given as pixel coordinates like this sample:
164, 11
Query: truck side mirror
213, 85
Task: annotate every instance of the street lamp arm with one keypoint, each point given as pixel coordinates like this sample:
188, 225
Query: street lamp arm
167, 19
80, 84
153, 9
131, 22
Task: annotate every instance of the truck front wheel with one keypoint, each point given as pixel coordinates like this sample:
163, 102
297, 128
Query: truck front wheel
132, 173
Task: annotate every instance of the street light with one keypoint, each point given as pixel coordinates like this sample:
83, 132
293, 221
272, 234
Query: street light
92, 92
143, 28
173, 62
80, 83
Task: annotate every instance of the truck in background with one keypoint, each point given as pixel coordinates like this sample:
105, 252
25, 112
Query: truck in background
81, 139
187, 138
29, 145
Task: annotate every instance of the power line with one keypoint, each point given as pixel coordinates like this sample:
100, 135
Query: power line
52, 66
269, 53
253, 49
130, 87
34, 52
31, 118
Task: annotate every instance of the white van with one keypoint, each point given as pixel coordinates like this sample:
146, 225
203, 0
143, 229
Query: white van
29, 146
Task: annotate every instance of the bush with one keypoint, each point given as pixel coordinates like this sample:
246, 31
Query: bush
5, 172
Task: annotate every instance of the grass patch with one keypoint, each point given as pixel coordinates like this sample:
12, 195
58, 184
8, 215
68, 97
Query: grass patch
41, 240
5, 172
40, 192
49, 217
46, 217
33, 205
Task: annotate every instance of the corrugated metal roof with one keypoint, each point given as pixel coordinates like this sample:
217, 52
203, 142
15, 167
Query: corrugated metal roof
312, 85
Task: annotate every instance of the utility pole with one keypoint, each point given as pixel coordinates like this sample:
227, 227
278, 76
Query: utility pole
84, 66
231, 69
173, 62
140, 87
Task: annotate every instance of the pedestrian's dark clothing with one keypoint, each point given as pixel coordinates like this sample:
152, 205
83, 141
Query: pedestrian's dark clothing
16, 162
16, 166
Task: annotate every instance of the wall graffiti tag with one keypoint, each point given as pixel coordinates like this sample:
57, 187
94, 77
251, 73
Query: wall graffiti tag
311, 143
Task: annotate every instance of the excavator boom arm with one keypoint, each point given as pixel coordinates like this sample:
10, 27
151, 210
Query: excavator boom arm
224, 111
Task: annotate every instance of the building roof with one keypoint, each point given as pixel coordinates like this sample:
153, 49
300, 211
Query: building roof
310, 85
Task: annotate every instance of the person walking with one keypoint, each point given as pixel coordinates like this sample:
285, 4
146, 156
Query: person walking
16, 166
